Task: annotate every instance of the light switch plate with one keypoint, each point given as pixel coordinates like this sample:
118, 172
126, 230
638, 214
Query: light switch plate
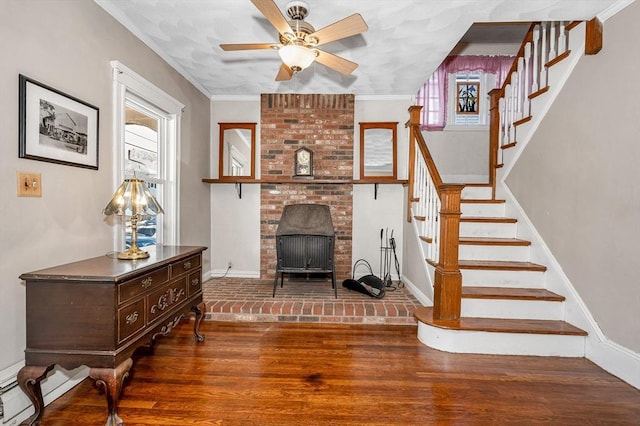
29, 184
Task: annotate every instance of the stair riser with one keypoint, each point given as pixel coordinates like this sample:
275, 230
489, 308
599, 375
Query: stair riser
482, 209
498, 230
477, 192
482, 342
523, 309
495, 278
494, 252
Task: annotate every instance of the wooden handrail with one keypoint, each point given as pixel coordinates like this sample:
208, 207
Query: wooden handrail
447, 277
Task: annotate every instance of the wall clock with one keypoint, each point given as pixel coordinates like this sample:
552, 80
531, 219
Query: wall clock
303, 161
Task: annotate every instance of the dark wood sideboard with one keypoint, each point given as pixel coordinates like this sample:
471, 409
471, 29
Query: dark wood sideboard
97, 312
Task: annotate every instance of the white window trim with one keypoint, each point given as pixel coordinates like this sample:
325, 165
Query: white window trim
127, 81
486, 80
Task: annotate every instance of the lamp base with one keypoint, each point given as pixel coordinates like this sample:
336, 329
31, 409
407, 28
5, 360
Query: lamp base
133, 253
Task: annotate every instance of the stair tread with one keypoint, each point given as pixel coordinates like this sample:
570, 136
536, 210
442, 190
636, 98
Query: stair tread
473, 292
488, 219
501, 265
500, 325
493, 241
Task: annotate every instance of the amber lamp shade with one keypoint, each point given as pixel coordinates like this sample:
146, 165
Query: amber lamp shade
133, 199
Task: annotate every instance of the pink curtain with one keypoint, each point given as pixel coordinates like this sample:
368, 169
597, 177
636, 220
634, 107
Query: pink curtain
433, 94
433, 98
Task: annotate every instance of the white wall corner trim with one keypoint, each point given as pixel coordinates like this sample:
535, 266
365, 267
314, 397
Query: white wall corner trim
613, 9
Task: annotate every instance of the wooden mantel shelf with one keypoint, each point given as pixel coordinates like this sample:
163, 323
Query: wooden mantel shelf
303, 181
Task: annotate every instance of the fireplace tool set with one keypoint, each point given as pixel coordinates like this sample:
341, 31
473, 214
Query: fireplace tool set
387, 255
371, 284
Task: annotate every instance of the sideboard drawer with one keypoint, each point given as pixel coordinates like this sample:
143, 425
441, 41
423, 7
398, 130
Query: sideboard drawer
142, 284
166, 297
130, 319
186, 265
195, 282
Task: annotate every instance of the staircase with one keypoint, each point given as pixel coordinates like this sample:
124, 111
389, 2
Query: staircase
489, 297
505, 307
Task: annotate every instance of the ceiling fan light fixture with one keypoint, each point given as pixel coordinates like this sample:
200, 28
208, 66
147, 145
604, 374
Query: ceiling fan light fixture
297, 57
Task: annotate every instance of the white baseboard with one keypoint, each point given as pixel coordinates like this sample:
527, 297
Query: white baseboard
615, 359
232, 273
422, 298
18, 407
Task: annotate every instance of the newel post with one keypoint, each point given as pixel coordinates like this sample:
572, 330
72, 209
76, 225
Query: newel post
414, 126
494, 136
448, 279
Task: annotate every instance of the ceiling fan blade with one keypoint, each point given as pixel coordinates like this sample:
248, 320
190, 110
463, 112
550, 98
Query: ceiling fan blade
270, 11
347, 27
247, 46
337, 63
285, 73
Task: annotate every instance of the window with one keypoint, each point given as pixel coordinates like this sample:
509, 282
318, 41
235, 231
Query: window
468, 98
439, 95
142, 131
147, 138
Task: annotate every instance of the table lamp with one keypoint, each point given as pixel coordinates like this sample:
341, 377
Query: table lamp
133, 199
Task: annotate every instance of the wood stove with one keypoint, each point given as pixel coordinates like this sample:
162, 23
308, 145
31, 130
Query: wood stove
304, 242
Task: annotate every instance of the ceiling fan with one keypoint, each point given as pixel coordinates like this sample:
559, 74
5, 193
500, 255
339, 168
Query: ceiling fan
299, 40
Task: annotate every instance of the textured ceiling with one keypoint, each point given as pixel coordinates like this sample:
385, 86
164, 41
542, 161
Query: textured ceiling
406, 41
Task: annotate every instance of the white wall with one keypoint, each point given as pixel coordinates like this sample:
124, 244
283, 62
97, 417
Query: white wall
370, 215
461, 155
68, 45
235, 222
578, 180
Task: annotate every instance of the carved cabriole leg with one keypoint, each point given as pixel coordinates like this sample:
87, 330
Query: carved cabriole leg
29, 378
111, 379
199, 315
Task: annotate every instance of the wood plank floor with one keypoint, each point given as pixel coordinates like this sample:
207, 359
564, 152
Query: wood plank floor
339, 374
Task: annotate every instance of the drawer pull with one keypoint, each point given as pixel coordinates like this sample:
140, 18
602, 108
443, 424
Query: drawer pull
132, 318
167, 299
195, 282
186, 265
146, 283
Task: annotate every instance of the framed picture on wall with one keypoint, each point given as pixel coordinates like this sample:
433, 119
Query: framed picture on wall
467, 98
56, 127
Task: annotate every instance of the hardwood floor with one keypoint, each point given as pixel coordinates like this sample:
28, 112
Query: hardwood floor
326, 374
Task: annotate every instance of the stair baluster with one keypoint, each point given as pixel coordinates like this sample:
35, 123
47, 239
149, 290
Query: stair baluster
545, 42
437, 206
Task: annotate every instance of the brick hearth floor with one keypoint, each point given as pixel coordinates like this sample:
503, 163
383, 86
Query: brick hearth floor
246, 299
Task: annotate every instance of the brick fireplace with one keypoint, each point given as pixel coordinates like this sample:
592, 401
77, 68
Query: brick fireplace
324, 124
